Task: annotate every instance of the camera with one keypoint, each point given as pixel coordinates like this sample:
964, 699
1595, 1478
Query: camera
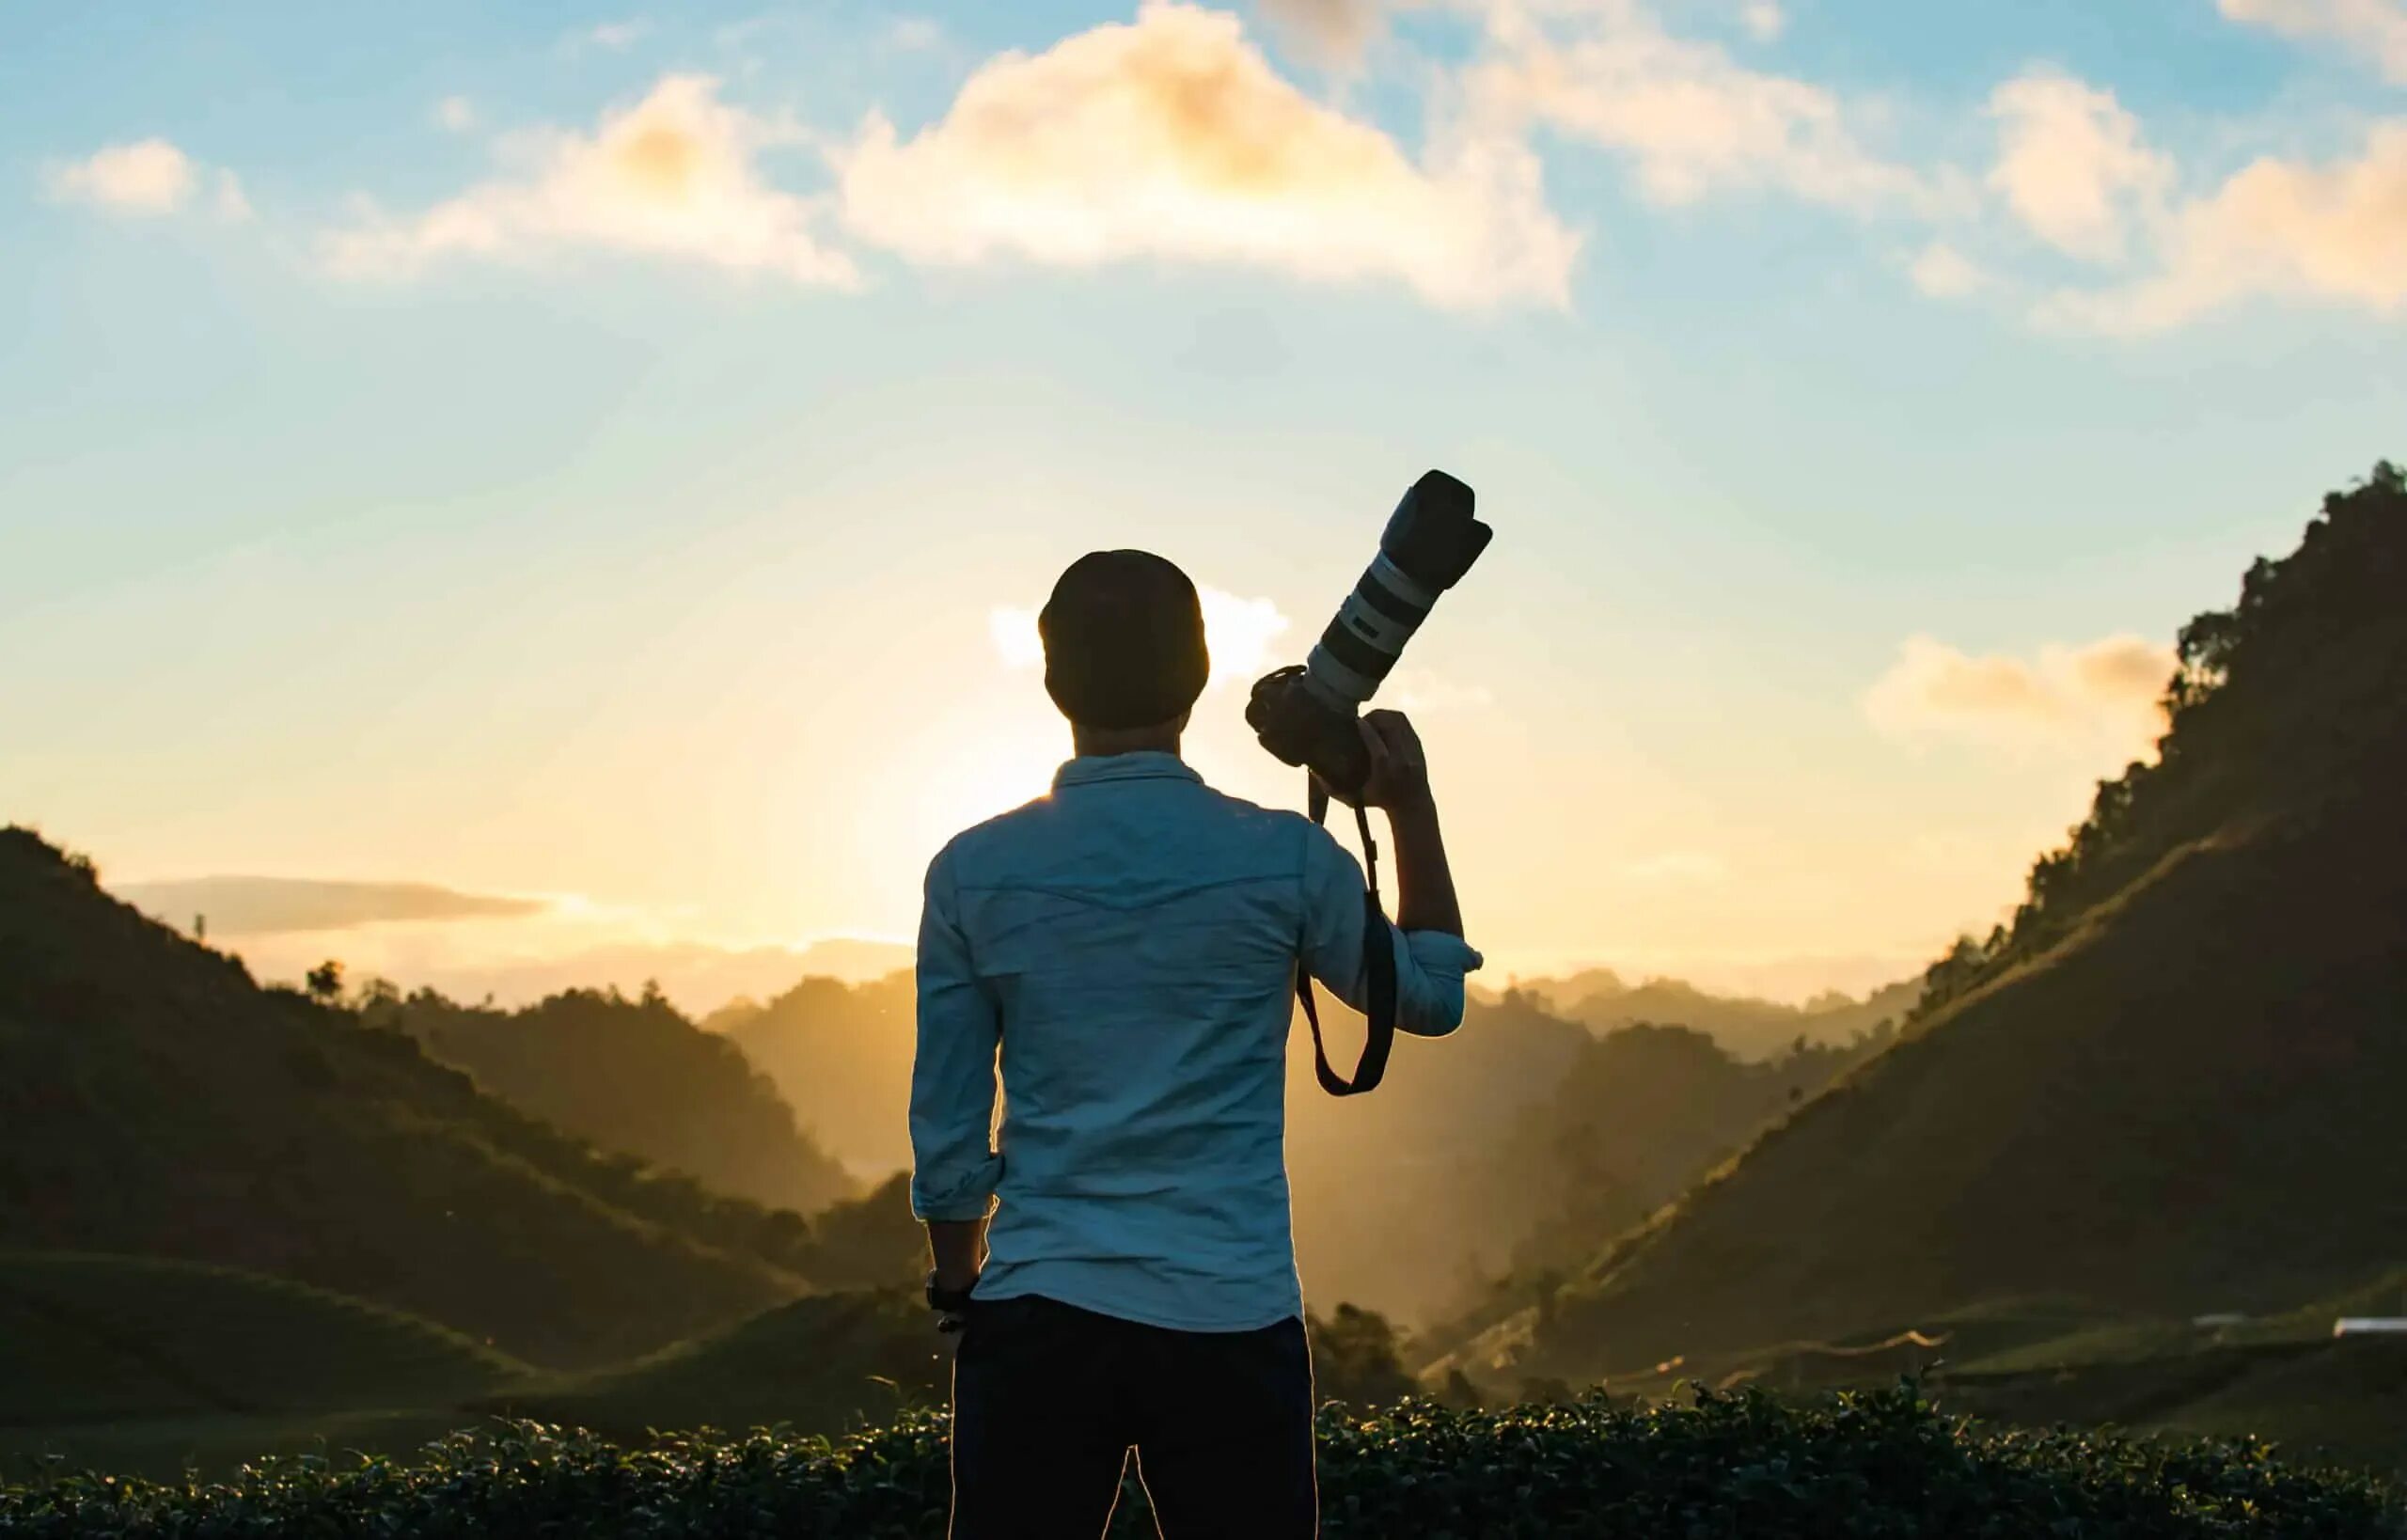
1305, 713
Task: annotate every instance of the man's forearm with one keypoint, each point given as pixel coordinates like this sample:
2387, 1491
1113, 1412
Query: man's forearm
1424, 883
958, 1249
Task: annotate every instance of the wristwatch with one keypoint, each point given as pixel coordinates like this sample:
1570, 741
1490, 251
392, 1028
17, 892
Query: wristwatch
952, 1304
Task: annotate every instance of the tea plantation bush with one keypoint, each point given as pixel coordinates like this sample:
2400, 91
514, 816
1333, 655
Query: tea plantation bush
1872, 1465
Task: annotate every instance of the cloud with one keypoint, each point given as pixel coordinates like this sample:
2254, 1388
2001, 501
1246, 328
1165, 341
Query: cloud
2377, 29
456, 113
1694, 120
281, 906
1237, 632
147, 177
675, 176
1173, 138
1330, 32
1764, 20
233, 204
1942, 271
2077, 696
2071, 164
2334, 232
617, 36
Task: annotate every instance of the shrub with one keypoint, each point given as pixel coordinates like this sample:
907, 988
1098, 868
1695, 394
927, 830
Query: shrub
1874, 1464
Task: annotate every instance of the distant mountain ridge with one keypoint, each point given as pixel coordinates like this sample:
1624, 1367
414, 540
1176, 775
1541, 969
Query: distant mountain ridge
2172, 1086
1749, 1026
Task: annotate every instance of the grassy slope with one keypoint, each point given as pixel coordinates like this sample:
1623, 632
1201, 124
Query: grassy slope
154, 1101
2174, 1111
634, 1075
101, 1337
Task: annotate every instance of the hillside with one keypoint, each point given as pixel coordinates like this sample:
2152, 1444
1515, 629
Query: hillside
1481, 1150
88, 1339
154, 1101
632, 1076
840, 1056
2172, 1087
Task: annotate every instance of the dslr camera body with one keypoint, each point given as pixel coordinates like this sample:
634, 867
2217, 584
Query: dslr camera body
1307, 714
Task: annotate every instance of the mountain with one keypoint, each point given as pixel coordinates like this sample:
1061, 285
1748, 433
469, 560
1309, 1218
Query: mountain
154, 1101
840, 1056
1478, 1153
1502, 1148
1602, 1000
632, 1076
88, 1339
2172, 1087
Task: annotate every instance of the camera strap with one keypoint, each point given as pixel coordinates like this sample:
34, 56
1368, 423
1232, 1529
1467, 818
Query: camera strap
1378, 967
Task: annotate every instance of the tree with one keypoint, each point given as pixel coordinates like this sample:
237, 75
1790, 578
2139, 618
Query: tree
325, 982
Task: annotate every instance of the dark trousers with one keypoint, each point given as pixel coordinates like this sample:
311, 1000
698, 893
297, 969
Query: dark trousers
1047, 1400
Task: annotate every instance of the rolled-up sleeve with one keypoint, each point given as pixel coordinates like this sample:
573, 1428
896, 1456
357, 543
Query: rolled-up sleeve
1429, 964
954, 1165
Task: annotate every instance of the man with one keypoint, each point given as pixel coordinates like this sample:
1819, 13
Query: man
1130, 945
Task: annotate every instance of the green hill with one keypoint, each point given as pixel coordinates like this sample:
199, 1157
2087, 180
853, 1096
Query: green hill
154, 1101
632, 1076
820, 1365
2172, 1087
99, 1338
840, 1056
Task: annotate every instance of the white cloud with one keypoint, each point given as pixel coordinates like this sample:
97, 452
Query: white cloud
233, 204
1171, 137
2105, 692
2071, 163
2335, 232
147, 177
1942, 271
1692, 120
2377, 29
617, 36
1237, 632
914, 33
675, 176
1764, 20
1330, 32
456, 113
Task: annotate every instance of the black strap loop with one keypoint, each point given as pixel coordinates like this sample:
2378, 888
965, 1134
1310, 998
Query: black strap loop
1379, 965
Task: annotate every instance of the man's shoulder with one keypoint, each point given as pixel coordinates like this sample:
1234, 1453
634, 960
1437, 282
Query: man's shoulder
1047, 824
1002, 831
1253, 816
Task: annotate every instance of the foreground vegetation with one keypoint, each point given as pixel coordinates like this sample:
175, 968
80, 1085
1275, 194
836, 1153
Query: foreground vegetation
1882, 1463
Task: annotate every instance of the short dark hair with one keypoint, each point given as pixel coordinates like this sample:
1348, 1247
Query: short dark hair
1123, 641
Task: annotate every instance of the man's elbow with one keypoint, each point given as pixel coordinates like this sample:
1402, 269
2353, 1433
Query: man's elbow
1436, 1013
945, 1190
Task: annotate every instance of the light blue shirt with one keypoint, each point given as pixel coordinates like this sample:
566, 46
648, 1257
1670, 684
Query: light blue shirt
1130, 945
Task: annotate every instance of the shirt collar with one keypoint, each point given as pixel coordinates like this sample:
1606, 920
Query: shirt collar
1145, 764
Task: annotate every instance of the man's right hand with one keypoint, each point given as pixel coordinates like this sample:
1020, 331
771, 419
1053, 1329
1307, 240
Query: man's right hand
1399, 777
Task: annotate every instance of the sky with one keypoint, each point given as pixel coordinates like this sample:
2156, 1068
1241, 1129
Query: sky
601, 466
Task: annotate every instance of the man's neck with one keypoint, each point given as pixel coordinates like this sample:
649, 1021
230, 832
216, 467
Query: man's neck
1097, 743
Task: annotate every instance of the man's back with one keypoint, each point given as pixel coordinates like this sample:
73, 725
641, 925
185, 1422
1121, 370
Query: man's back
1115, 1255
1133, 939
